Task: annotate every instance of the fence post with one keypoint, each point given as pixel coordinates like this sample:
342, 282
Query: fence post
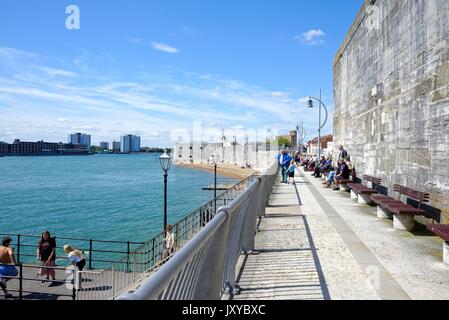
74, 284
127, 257
90, 254
21, 281
18, 248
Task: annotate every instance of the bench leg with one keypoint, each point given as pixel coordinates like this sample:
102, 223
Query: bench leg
446, 253
354, 195
364, 199
383, 213
403, 222
344, 187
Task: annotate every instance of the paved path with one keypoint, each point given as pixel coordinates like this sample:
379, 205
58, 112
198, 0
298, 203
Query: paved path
316, 243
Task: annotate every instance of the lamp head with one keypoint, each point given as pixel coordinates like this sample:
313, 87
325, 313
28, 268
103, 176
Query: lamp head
166, 161
310, 103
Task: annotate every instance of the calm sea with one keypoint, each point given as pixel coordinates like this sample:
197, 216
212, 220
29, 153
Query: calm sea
112, 197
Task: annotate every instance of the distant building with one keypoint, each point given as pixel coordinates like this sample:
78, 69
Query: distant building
326, 145
104, 145
116, 146
31, 148
130, 143
41, 148
80, 138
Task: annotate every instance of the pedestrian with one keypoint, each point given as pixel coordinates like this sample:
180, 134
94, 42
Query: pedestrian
284, 160
46, 254
169, 242
8, 264
76, 259
291, 172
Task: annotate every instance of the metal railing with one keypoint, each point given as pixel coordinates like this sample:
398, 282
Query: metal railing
98, 253
205, 266
108, 278
22, 277
129, 271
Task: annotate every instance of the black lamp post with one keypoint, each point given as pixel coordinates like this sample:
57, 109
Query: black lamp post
321, 126
166, 162
215, 158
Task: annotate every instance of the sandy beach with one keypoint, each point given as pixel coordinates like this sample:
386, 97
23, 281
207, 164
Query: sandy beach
227, 170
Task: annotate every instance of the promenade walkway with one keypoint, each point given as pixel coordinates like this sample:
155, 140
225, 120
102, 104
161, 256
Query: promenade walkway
316, 243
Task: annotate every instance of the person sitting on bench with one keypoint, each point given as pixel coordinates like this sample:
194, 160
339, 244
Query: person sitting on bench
325, 167
343, 174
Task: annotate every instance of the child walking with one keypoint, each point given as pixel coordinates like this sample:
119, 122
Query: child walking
291, 172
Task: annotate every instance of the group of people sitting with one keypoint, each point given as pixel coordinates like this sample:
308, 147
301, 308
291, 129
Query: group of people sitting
45, 255
335, 174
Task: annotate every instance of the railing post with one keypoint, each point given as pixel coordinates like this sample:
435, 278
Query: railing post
21, 281
90, 254
127, 257
74, 284
18, 248
154, 253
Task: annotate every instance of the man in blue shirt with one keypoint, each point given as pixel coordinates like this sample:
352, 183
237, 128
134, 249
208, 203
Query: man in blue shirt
284, 160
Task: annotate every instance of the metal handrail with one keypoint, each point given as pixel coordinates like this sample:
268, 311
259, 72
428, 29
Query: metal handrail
205, 267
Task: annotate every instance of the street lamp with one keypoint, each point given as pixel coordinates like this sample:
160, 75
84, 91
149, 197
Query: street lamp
166, 162
321, 126
215, 159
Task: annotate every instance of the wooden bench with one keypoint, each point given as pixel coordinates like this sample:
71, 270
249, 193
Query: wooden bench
404, 214
442, 231
363, 193
380, 198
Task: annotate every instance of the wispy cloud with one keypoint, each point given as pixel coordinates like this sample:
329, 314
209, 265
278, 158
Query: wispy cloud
42, 99
164, 47
312, 37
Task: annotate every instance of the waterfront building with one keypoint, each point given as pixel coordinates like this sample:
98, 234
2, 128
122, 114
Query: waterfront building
130, 143
80, 138
116, 146
104, 145
41, 148
4, 148
31, 148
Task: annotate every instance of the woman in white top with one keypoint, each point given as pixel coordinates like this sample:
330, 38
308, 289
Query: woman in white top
76, 257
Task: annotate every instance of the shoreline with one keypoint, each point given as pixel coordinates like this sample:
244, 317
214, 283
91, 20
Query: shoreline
227, 170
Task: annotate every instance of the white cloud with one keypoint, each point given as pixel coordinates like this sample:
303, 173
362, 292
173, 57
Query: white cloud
164, 47
52, 72
153, 103
278, 94
312, 37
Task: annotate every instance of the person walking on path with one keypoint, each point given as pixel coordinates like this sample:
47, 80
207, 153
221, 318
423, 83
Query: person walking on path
46, 254
291, 172
284, 160
8, 263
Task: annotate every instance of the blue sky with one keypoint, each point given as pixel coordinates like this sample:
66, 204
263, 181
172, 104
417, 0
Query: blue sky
154, 67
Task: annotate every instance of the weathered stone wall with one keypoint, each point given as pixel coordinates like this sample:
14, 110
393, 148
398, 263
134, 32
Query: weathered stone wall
391, 91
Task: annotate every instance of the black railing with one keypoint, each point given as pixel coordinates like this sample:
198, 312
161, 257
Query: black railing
98, 253
21, 278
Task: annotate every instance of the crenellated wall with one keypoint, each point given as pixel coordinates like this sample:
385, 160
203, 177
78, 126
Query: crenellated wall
391, 91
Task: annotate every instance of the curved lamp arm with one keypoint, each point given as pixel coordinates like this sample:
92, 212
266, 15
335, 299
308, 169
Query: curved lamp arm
321, 102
